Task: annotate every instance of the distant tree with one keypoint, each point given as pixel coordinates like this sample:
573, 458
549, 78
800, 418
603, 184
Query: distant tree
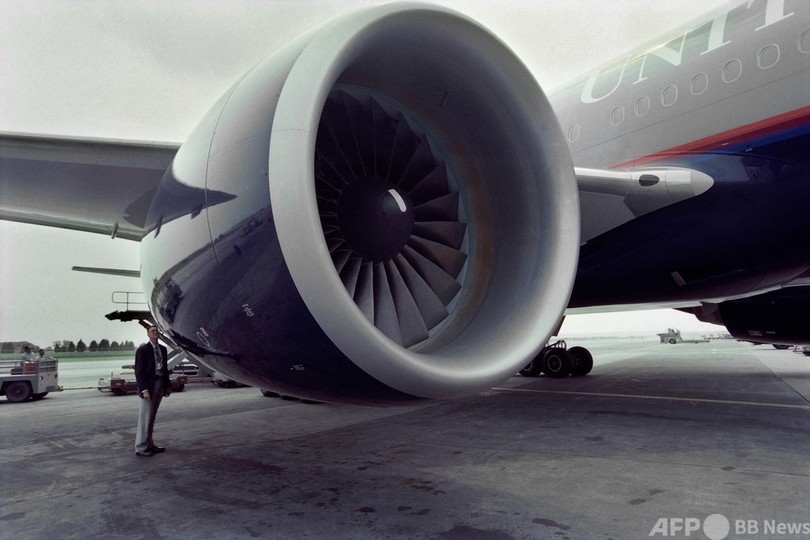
80, 346
72, 346
114, 346
104, 345
129, 346
93, 346
7, 347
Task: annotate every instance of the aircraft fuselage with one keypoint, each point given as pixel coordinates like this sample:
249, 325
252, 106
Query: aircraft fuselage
729, 97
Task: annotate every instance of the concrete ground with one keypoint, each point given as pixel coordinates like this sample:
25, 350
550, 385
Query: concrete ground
658, 437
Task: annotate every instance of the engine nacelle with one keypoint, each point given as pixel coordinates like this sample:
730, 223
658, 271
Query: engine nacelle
384, 210
779, 317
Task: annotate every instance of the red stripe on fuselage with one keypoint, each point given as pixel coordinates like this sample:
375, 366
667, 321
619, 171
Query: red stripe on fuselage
763, 128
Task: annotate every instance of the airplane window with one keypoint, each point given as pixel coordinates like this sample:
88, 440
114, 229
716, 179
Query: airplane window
669, 95
642, 106
573, 133
699, 84
768, 56
804, 41
732, 70
617, 116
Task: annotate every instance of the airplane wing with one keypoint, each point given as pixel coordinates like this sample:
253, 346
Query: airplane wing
106, 186
91, 185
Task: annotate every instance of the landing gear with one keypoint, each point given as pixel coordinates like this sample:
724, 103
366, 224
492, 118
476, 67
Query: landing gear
534, 367
557, 360
581, 361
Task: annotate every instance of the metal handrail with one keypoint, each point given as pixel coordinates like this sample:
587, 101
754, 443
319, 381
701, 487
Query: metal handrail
128, 301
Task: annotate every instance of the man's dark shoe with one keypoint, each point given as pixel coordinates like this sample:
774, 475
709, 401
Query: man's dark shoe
145, 453
156, 449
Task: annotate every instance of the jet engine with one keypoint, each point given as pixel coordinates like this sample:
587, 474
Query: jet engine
382, 211
781, 317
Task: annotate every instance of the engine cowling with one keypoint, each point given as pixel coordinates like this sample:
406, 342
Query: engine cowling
779, 317
384, 210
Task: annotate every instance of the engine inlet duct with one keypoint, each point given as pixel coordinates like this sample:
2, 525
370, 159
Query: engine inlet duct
390, 213
389, 217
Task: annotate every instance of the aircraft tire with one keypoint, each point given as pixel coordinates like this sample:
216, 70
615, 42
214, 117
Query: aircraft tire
556, 362
534, 367
180, 388
581, 361
18, 391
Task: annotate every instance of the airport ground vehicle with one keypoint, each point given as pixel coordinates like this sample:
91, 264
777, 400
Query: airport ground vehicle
187, 368
21, 381
125, 383
673, 336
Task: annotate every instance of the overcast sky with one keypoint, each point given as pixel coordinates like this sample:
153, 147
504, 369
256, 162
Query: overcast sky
149, 70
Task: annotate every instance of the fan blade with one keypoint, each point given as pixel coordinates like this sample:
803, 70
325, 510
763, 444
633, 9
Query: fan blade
448, 259
384, 137
411, 324
334, 243
340, 258
364, 290
327, 175
331, 230
419, 166
385, 312
430, 306
430, 187
326, 192
360, 126
449, 233
351, 274
334, 134
441, 209
441, 283
405, 143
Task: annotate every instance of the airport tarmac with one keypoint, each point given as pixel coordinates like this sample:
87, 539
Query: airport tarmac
656, 432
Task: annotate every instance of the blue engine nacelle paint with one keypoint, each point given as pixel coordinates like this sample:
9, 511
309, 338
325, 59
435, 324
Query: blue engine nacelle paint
235, 265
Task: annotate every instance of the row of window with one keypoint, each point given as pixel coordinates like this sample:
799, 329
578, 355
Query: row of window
767, 57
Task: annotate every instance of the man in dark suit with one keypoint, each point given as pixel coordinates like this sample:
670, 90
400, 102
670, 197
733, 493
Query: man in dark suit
152, 377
